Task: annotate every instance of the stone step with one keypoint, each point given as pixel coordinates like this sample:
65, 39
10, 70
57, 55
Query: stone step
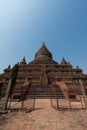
44, 93
1, 107
39, 97
2, 103
45, 96
3, 112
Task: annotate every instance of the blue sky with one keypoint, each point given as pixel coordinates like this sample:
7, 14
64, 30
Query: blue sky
61, 24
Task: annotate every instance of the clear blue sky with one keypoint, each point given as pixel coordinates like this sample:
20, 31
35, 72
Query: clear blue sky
61, 24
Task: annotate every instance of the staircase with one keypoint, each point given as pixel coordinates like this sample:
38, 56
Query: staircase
42, 91
4, 100
64, 89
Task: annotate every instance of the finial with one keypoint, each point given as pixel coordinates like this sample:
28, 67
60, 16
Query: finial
77, 67
9, 66
23, 61
63, 61
43, 43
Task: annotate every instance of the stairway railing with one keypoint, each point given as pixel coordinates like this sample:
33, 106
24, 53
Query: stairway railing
83, 93
4, 100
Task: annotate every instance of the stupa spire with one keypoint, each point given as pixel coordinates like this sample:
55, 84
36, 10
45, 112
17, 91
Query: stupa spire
63, 61
43, 53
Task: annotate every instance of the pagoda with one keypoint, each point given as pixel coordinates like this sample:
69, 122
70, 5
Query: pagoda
43, 72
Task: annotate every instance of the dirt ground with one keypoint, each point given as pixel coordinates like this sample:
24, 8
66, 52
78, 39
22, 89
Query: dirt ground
45, 117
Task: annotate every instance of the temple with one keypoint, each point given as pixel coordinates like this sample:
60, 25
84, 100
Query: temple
42, 75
